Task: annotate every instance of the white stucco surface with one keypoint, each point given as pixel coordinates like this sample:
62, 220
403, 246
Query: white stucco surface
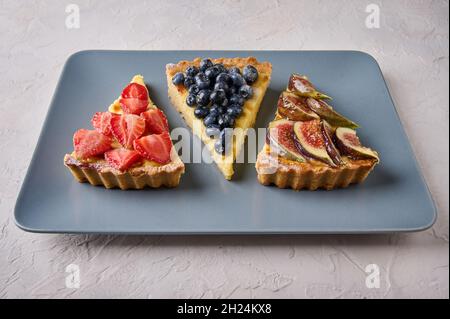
412, 48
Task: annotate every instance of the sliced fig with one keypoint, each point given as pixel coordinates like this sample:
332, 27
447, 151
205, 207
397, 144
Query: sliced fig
300, 85
325, 111
331, 148
281, 139
310, 140
349, 144
294, 107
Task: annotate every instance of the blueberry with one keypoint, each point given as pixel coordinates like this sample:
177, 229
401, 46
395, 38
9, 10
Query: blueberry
201, 111
250, 74
233, 90
191, 100
224, 102
222, 135
212, 72
238, 80
224, 78
178, 78
188, 81
212, 130
221, 109
194, 89
224, 121
219, 147
218, 96
203, 97
210, 120
202, 81
234, 69
230, 121
221, 68
222, 145
214, 110
191, 70
225, 135
234, 111
205, 64
237, 99
246, 91
221, 86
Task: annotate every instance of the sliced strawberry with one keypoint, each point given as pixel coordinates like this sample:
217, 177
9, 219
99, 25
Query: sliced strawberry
134, 99
133, 105
121, 158
102, 122
126, 128
135, 90
88, 143
156, 121
155, 147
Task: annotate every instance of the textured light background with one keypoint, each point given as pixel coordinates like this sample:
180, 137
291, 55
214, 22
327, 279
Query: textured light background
412, 48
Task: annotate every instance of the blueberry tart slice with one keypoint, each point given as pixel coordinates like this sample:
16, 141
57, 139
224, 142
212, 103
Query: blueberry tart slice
219, 98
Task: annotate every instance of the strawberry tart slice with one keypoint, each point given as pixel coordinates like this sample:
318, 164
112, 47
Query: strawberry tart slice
129, 146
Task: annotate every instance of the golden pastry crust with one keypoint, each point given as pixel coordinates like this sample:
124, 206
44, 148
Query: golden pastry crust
177, 95
264, 68
100, 173
284, 173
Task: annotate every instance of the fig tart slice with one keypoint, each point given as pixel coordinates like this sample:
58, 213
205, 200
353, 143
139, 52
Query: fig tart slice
310, 146
128, 147
216, 97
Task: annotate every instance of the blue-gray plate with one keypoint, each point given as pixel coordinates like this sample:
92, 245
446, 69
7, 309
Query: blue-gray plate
394, 198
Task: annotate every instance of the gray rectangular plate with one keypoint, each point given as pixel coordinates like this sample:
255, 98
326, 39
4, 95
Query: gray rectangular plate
394, 197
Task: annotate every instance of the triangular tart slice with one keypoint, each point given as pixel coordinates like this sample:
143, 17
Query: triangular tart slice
309, 145
128, 146
216, 95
